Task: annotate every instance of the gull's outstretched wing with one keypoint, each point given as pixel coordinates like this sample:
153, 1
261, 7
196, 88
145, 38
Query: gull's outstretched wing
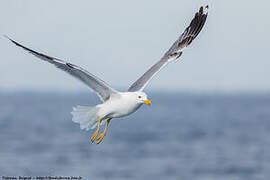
104, 91
175, 51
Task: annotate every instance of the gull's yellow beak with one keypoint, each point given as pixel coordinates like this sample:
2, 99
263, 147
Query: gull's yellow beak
148, 102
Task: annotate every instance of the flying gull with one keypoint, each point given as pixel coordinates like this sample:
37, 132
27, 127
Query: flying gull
118, 104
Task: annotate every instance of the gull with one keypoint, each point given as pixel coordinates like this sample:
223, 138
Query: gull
116, 104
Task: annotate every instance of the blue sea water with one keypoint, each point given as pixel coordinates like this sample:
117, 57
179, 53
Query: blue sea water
182, 136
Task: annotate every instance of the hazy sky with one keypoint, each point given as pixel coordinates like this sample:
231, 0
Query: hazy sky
119, 40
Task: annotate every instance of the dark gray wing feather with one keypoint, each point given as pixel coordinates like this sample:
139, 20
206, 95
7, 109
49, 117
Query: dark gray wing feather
104, 91
175, 51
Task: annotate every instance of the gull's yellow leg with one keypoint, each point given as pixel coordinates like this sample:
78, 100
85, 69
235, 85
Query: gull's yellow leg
101, 136
96, 133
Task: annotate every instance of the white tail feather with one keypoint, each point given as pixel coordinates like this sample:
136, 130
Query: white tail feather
86, 116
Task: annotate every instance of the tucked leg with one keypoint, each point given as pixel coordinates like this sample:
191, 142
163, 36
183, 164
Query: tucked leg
101, 136
96, 133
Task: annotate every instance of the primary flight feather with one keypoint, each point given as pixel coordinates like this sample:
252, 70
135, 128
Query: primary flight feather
118, 104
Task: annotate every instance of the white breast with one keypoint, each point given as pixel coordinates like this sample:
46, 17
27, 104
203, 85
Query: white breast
119, 106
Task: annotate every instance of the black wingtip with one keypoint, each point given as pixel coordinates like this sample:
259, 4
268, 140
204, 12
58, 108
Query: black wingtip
201, 10
28, 49
204, 9
14, 42
198, 22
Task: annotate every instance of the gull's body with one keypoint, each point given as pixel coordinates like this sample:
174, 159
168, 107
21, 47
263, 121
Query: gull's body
119, 104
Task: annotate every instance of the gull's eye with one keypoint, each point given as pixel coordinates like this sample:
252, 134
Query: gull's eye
140, 97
